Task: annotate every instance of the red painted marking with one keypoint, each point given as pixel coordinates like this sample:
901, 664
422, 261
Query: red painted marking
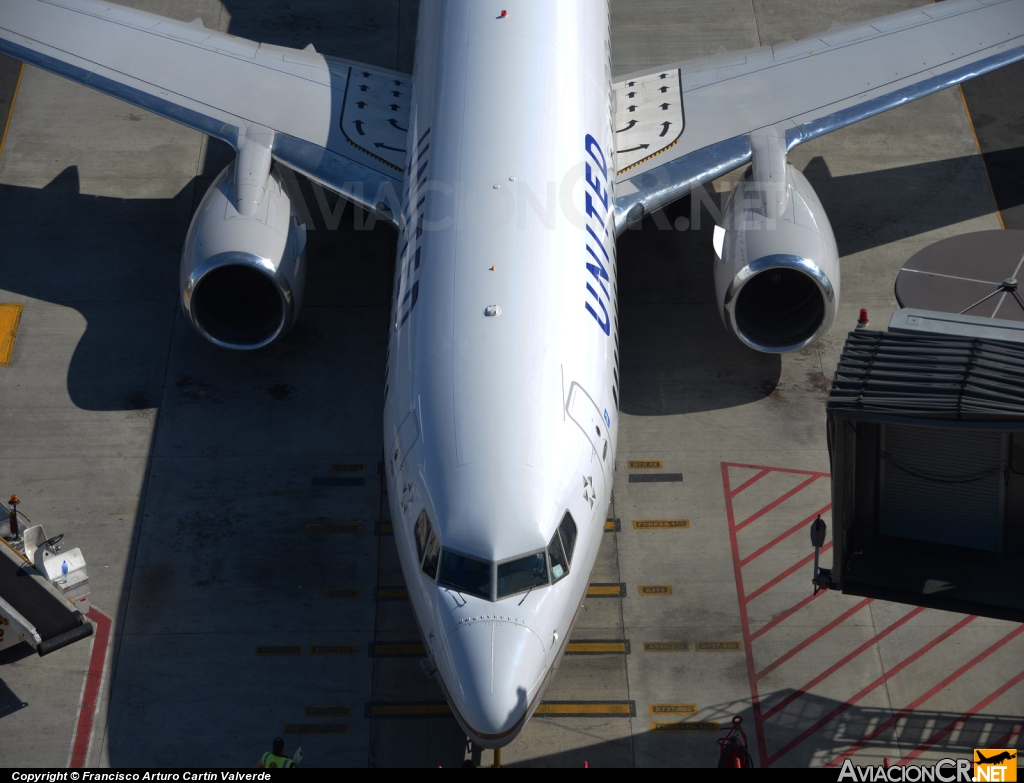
1007, 740
814, 637
785, 574
755, 703
785, 615
962, 720
885, 725
821, 723
843, 661
802, 525
750, 482
817, 473
91, 695
776, 502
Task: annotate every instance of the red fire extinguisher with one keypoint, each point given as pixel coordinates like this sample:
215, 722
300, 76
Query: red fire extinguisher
732, 748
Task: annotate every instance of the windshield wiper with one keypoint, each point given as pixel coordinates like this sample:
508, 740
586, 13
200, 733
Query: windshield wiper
527, 595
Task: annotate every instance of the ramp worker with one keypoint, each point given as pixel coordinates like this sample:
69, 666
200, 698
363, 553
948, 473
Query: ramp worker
276, 759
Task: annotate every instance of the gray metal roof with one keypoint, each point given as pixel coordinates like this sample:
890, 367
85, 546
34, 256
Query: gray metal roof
883, 375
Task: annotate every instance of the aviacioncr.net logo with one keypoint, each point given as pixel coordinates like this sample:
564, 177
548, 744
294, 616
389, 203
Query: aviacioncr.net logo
944, 771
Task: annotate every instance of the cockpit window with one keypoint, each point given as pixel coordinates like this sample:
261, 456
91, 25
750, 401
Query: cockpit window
521, 574
567, 529
427, 545
422, 531
465, 574
559, 562
432, 556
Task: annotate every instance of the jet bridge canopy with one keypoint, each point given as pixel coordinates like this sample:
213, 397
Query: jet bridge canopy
926, 436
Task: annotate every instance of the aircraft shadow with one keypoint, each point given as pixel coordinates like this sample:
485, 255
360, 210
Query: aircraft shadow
690, 749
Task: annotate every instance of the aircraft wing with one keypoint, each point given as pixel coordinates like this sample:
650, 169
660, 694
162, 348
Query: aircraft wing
340, 123
683, 125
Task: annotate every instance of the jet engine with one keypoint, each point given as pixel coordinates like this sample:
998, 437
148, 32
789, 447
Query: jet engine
243, 267
777, 271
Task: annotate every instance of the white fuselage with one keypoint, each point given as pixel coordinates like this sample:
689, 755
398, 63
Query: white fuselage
501, 407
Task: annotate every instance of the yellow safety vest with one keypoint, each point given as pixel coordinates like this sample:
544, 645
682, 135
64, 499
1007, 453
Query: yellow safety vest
270, 761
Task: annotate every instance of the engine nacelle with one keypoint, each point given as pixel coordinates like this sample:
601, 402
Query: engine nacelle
776, 278
242, 276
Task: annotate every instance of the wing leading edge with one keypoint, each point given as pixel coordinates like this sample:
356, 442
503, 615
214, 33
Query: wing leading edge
340, 123
799, 90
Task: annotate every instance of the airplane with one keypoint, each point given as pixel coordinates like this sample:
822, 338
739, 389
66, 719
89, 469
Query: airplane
1004, 756
508, 163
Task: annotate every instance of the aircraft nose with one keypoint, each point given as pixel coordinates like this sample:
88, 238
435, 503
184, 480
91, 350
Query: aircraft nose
498, 665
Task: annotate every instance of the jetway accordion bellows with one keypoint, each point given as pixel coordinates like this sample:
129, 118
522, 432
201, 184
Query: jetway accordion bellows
941, 377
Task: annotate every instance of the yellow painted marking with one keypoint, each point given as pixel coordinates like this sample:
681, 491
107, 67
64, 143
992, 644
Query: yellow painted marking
387, 528
649, 157
332, 649
596, 647
348, 467
584, 708
599, 590
325, 527
10, 111
405, 710
659, 524
341, 593
315, 728
666, 647
265, 650
655, 589
719, 646
673, 709
686, 727
410, 648
644, 464
10, 317
611, 526
327, 711
392, 593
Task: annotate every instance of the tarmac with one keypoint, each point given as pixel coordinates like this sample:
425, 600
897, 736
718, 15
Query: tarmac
230, 507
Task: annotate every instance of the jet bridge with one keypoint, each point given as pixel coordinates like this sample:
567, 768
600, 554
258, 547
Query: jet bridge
41, 602
926, 437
